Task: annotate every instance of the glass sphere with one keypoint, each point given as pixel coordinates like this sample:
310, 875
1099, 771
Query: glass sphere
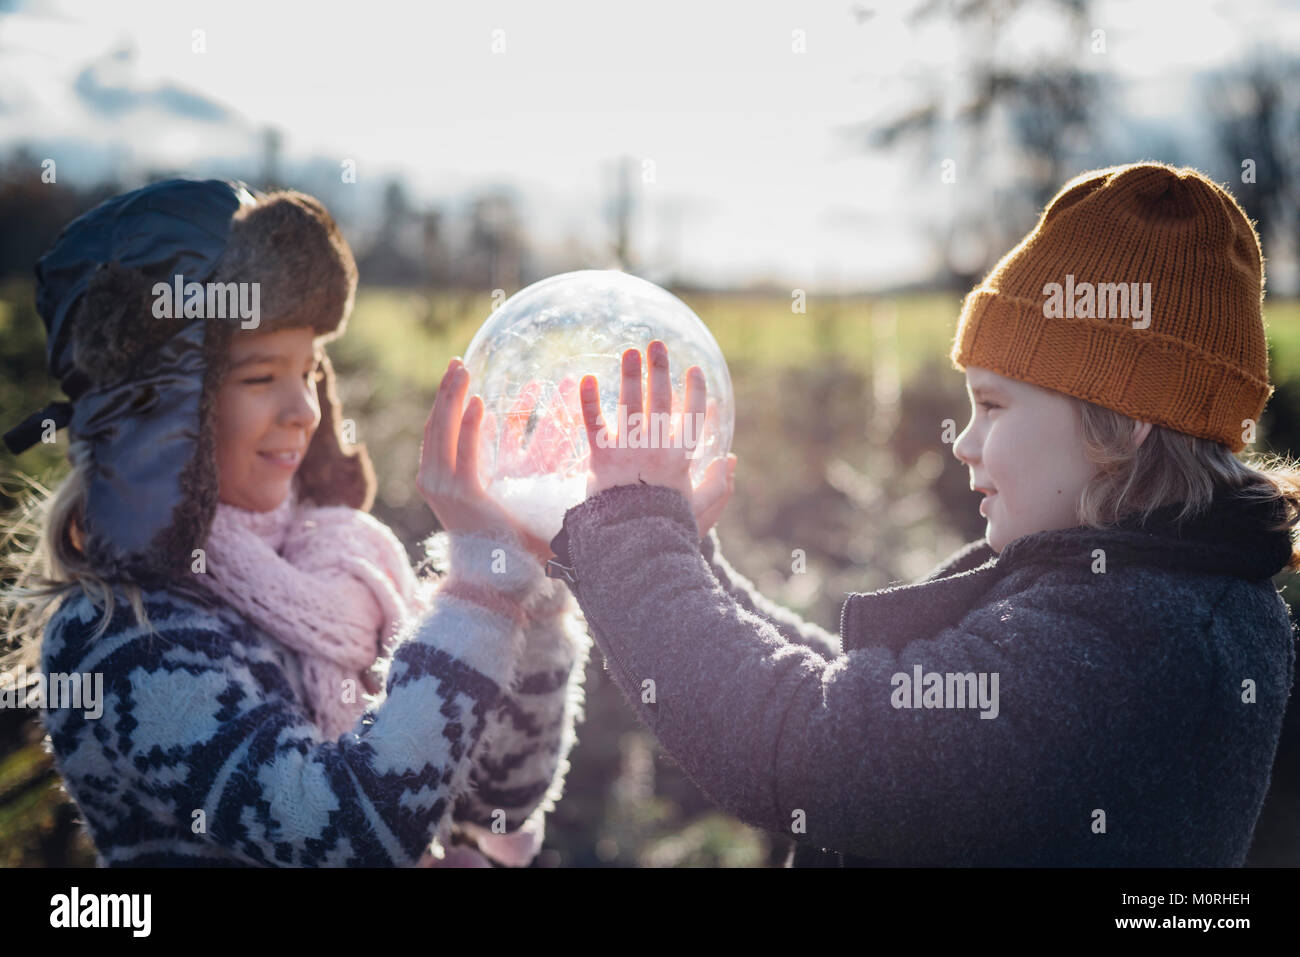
528, 358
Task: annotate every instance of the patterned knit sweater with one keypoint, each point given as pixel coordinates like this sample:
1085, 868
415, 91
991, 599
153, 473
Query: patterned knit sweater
205, 754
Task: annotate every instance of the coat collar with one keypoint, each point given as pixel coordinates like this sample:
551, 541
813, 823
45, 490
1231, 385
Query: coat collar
1232, 537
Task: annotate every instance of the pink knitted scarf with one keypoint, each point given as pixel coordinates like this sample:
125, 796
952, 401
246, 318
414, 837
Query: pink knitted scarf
332, 583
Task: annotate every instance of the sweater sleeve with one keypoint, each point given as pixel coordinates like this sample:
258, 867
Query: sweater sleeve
519, 765
204, 740
791, 742
792, 627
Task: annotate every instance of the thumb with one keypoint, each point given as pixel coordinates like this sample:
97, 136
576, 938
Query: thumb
710, 497
712, 486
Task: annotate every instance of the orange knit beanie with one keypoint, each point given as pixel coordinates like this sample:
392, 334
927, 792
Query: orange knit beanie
1139, 290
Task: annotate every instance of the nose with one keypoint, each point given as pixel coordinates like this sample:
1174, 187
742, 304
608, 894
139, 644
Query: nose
964, 449
301, 408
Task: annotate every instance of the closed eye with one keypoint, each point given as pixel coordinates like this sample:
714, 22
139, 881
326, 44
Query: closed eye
988, 405
312, 375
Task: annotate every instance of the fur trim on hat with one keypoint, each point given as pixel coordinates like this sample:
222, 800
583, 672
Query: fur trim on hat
291, 246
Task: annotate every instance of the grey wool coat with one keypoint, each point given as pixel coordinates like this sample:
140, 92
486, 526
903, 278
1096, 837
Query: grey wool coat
1084, 698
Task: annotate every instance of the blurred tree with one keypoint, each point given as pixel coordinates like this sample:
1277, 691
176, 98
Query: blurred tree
272, 148
494, 252
395, 257
1001, 118
1256, 114
437, 257
618, 213
32, 211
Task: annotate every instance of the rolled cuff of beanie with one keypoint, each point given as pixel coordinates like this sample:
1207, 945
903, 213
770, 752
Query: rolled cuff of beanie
1141, 373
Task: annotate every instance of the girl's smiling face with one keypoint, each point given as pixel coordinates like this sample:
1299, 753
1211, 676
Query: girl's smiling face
1024, 444
267, 413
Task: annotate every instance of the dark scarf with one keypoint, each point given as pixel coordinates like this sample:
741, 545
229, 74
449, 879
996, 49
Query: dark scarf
1230, 537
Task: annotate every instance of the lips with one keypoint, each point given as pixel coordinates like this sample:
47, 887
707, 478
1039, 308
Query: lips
988, 497
285, 458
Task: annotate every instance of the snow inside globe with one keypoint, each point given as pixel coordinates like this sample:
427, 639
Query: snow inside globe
528, 358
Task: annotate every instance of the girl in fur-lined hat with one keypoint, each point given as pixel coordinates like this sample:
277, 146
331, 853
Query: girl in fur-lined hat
310, 702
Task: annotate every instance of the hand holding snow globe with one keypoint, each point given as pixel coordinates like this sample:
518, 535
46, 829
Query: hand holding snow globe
527, 362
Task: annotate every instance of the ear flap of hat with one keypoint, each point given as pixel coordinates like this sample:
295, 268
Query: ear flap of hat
333, 472
113, 328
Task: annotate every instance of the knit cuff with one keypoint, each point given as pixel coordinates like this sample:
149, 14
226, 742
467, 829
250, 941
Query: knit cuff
494, 561
619, 503
551, 599
485, 597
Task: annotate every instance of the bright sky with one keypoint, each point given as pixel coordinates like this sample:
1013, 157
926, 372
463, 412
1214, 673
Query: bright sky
751, 175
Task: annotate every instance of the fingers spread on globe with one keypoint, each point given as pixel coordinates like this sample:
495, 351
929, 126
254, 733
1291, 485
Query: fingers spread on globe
652, 442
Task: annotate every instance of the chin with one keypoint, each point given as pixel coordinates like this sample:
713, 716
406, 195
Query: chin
995, 539
269, 499
277, 496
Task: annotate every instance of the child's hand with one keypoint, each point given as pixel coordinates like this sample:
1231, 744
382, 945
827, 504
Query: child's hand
713, 492
659, 458
551, 443
448, 476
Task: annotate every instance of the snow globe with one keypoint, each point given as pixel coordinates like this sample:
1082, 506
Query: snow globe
528, 358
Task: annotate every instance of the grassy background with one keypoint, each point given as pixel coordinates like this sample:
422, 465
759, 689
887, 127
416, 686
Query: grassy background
839, 412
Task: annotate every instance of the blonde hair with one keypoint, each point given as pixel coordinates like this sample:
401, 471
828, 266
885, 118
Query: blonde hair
44, 563
1173, 468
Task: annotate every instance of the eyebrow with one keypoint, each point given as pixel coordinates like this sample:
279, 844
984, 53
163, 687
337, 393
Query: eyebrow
254, 358
985, 391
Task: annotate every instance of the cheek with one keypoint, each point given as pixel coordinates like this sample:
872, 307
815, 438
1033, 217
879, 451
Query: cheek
240, 421
1062, 448
1031, 459
1004, 455
1016, 459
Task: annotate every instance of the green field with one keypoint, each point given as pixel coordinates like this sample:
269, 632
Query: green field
413, 335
